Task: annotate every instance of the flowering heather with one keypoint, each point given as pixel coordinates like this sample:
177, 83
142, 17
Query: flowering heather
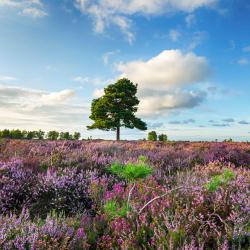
61, 195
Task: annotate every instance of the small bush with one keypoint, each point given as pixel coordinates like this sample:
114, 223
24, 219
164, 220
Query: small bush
131, 171
219, 180
152, 136
113, 210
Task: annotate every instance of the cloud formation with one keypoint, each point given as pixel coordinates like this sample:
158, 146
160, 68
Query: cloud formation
169, 69
162, 81
118, 12
32, 8
243, 122
228, 120
30, 108
7, 78
188, 121
156, 105
221, 125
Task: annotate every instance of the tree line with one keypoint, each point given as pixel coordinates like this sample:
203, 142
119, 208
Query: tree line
39, 135
152, 136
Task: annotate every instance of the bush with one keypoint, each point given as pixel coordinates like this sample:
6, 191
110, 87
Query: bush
219, 180
16, 186
152, 136
163, 137
113, 210
131, 171
63, 191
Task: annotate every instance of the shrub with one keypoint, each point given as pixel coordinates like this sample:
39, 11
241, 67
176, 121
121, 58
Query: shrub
16, 186
131, 171
163, 137
219, 180
113, 210
63, 190
152, 136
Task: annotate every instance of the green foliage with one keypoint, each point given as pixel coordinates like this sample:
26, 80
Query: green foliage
219, 180
30, 135
76, 136
116, 108
142, 158
131, 171
53, 135
163, 137
152, 136
65, 136
228, 140
39, 134
113, 210
177, 237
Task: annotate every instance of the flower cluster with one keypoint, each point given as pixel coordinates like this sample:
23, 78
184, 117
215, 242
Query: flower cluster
63, 190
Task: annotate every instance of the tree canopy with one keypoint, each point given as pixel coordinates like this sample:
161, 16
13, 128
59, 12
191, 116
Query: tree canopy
117, 108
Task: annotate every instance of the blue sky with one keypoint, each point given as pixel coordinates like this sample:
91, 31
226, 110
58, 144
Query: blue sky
191, 60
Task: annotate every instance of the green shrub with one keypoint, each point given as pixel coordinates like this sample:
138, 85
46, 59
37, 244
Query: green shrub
131, 171
163, 137
113, 210
152, 136
219, 180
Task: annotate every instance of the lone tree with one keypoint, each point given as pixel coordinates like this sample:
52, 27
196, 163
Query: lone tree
117, 108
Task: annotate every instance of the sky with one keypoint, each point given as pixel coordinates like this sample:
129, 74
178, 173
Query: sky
190, 59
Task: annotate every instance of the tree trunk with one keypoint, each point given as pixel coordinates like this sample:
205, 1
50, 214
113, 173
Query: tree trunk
118, 134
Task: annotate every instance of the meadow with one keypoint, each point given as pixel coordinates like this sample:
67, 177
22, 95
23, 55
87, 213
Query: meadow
97, 194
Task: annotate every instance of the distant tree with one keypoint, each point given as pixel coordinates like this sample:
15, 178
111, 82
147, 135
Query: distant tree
65, 136
16, 134
117, 108
76, 136
39, 134
162, 137
5, 133
152, 136
30, 135
24, 134
228, 140
52, 135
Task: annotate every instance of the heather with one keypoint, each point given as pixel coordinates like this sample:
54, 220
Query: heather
126, 195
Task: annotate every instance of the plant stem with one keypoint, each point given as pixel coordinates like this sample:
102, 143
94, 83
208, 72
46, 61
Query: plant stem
159, 197
130, 193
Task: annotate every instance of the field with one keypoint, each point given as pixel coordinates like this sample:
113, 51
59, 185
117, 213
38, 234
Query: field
66, 195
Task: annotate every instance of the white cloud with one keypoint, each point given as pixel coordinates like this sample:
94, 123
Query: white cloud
58, 97
33, 12
117, 12
174, 35
33, 109
162, 81
161, 104
243, 61
169, 69
32, 8
7, 78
